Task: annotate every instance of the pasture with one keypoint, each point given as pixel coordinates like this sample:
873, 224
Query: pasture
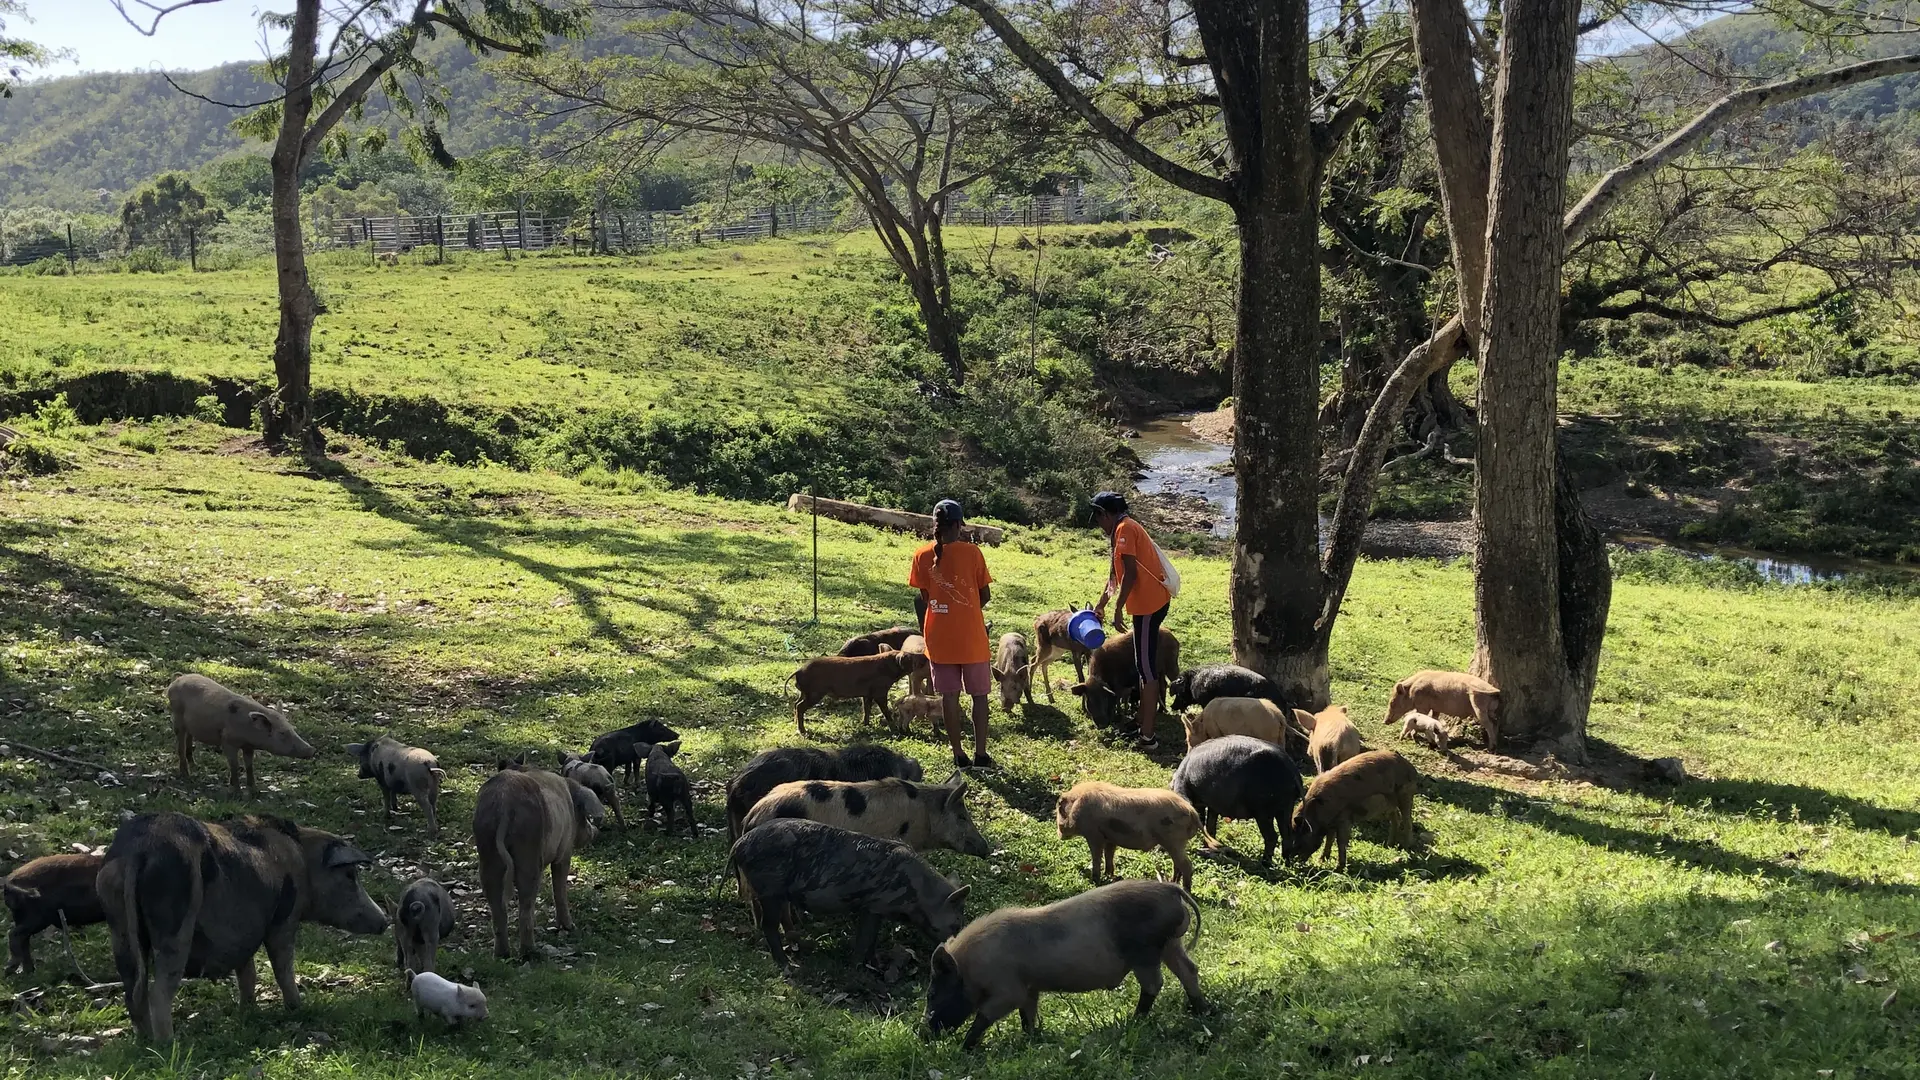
1757, 920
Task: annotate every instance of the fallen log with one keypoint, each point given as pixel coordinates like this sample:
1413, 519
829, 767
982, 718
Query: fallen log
882, 518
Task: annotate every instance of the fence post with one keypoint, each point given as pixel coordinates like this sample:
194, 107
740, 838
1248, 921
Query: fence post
520, 223
813, 499
624, 246
71, 257
440, 235
193, 249
366, 230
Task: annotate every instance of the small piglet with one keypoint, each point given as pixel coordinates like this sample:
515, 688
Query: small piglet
448, 1000
41, 892
594, 778
668, 786
402, 770
206, 712
1243, 777
627, 748
1012, 671
1422, 728
1449, 693
1139, 819
1003, 961
910, 707
820, 868
424, 919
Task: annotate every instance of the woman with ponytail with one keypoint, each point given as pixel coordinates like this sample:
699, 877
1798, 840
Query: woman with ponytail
952, 577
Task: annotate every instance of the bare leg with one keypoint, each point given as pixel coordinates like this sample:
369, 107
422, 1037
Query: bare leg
981, 713
950, 713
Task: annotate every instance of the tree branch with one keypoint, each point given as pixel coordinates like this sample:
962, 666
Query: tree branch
1211, 187
1604, 195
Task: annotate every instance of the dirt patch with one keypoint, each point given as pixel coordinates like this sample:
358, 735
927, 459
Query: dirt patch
1400, 539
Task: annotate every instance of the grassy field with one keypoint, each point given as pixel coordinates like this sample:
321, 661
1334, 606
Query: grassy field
1757, 921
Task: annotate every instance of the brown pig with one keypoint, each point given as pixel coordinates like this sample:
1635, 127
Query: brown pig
1331, 737
399, 770
42, 893
1004, 960
206, 712
1139, 819
869, 678
1374, 785
1448, 693
524, 821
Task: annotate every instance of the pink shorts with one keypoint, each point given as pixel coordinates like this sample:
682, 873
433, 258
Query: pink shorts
974, 679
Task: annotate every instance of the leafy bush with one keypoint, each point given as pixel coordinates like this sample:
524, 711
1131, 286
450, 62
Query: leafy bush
56, 416
151, 260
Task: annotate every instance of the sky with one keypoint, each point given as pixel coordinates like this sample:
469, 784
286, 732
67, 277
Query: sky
100, 40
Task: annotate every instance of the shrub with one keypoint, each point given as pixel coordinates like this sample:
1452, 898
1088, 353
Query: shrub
56, 416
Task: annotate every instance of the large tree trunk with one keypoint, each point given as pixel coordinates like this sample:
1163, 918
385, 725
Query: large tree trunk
288, 414
1517, 560
1276, 587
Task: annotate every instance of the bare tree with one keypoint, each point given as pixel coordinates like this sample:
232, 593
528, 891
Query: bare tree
897, 106
370, 45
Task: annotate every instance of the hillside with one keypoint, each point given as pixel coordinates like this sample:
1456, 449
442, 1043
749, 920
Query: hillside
63, 140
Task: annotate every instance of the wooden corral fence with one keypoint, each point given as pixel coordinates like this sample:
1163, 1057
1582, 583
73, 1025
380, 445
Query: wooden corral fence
640, 230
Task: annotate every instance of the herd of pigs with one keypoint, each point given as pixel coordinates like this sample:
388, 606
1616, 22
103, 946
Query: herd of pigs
811, 831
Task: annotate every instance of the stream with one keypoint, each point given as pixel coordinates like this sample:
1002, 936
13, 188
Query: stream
1177, 462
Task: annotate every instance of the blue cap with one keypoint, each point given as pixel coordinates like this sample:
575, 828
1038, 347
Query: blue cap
1111, 501
947, 512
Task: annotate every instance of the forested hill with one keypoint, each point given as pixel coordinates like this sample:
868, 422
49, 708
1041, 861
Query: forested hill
63, 140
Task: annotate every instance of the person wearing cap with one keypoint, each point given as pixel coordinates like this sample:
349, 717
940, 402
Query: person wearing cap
952, 577
1137, 585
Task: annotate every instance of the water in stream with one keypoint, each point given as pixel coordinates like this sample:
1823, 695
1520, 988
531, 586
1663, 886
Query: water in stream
1175, 460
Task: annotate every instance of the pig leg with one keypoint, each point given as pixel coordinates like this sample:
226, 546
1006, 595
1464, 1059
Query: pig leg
807, 701
245, 980
253, 790
668, 803
1111, 848
864, 936
526, 887
1093, 854
1030, 1013
280, 957
990, 1010
431, 804
1182, 867
772, 910
390, 799
493, 882
233, 769
19, 951
693, 827
1151, 981
1343, 834
183, 746
1046, 683
1183, 968
621, 821
133, 980
885, 713
561, 916
1269, 833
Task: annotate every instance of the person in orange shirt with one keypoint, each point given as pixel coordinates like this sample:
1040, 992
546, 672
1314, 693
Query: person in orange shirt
1137, 585
952, 577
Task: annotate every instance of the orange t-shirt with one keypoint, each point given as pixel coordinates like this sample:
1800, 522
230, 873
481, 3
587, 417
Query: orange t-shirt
956, 629
1149, 593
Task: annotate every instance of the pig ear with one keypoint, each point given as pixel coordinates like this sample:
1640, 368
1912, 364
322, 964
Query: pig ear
344, 854
957, 788
959, 896
669, 748
438, 774
355, 749
943, 960
1079, 688
261, 720
412, 975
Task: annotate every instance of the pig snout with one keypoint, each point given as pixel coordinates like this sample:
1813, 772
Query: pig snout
365, 917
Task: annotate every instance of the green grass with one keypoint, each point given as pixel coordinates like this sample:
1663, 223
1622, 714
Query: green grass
1751, 924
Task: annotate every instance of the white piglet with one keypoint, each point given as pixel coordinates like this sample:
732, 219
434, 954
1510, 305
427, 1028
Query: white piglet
446, 999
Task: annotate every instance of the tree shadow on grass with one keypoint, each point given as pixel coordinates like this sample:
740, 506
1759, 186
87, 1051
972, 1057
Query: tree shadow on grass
1699, 854
1752, 798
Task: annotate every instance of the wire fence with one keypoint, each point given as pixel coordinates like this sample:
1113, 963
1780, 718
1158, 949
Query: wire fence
506, 231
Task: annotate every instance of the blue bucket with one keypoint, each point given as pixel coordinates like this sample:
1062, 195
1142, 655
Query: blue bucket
1084, 627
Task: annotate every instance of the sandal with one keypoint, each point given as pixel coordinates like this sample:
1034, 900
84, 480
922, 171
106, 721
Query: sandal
1146, 744
984, 760
961, 760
